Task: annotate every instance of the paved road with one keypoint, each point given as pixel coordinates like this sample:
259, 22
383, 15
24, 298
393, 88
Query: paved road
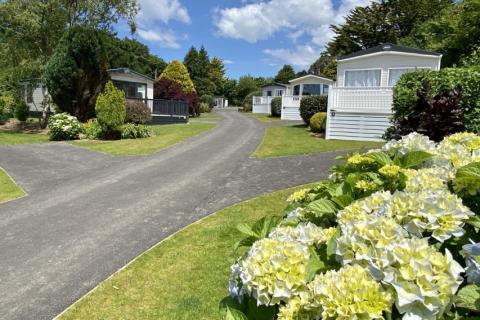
88, 214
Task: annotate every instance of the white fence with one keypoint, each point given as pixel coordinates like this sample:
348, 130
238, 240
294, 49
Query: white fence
291, 107
262, 104
359, 113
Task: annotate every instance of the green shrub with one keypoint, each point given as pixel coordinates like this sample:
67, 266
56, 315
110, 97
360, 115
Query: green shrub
63, 126
21, 111
276, 107
312, 104
135, 131
405, 96
7, 106
248, 101
111, 111
208, 99
92, 129
137, 112
205, 107
318, 122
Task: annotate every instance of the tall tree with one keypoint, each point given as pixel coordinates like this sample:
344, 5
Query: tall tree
285, 74
176, 71
325, 65
217, 75
246, 84
77, 72
191, 62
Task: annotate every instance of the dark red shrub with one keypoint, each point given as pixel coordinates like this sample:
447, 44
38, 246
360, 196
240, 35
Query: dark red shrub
171, 90
137, 112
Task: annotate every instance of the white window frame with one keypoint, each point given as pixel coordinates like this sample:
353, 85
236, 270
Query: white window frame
407, 68
361, 69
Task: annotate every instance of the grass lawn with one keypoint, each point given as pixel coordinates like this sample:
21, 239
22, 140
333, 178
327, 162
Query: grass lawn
297, 140
183, 277
263, 117
165, 136
10, 137
9, 190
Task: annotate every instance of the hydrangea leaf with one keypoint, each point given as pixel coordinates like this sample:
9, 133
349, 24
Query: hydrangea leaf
234, 314
469, 297
314, 265
414, 158
380, 157
467, 180
256, 312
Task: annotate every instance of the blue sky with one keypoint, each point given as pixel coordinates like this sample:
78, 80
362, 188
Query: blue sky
252, 37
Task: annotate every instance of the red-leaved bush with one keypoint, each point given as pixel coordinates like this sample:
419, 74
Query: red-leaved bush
170, 90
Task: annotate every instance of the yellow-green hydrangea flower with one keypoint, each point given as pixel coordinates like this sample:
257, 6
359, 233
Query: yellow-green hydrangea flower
299, 195
435, 178
425, 280
306, 233
411, 142
389, 170
274, 271
296, 309
467, 139
360, 208
365, 185
359, 160
349, 293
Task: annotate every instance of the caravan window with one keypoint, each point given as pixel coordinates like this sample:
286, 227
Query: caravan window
395, 74
296, 90
311, 90
325, 90
363, 78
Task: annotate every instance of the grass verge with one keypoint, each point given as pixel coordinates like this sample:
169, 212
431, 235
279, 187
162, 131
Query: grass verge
183, 277
11, 137
9, 190
297, 140
265, 118
165, 136
211, 116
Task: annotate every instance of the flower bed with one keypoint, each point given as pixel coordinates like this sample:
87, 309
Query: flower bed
393, 234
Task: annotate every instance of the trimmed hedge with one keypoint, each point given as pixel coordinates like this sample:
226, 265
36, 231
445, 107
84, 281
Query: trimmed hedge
276, 107
318, 122
111, 111
406, 96
312, 104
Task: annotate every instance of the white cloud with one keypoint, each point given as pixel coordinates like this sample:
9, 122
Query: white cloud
260, 20
226, 61
152, 11
164, 38
300, 56
155, 12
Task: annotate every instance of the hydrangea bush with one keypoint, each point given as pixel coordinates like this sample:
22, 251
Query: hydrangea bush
393, 234
63, 126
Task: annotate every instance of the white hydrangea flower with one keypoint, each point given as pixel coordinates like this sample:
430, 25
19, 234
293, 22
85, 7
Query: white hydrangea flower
305, 233
412, 142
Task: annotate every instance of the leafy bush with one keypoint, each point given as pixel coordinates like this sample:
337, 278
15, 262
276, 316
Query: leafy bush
137, 112
312, 104
170, 90
248, 101
405, 97
63, 126
208, 99
204, 107
176, 71
394, 222
21, 111
434, 116
135, 131
92, 129
318, 122
7, 106
111, 111
276, 107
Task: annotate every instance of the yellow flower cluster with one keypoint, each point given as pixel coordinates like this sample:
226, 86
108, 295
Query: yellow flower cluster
299, 195
365, 185
360, 160
389, 170
305, 233
435, 178
275, 271
349, 293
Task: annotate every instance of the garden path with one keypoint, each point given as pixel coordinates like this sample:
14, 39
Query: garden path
88, 214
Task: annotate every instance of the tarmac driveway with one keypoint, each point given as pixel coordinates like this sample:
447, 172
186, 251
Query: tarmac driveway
88, 214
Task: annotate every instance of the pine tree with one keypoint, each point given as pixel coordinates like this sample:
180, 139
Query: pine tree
285, 74
177, 72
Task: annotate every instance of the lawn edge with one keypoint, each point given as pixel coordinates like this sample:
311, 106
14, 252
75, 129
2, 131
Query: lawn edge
25, 194
72, 143
166, 239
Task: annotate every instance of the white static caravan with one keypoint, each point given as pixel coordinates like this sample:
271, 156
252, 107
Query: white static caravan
263, 104
309, 85
360, 103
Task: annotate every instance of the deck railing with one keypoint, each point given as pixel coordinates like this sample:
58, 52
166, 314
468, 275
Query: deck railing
262, 100
370, 100
291, 101
162, 107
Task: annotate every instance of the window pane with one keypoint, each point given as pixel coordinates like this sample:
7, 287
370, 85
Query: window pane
362, 78
325, 90
269, 93
395, 74
311, 90
296, 90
